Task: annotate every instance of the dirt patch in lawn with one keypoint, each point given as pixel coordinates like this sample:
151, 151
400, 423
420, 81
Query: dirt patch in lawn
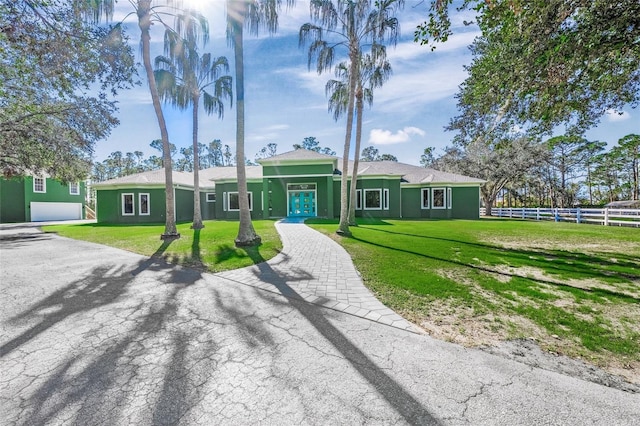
610, 246
520, 339
491, 324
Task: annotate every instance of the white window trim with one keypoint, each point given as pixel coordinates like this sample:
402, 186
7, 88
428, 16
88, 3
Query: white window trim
133, 202
365, 199
207, 197
422, 191
358, 199
44, 185
77, 185
238, 209
385, 199
449, 198
224, 201
444, 202
140, 204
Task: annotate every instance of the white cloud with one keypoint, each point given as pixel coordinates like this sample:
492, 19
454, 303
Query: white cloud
614, 116
385, 137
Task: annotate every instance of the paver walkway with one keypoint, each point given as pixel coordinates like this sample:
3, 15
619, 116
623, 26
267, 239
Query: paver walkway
318, 270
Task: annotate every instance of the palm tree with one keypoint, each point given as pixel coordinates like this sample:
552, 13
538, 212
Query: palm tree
375, 70
147, 14
183, 78
255, 14
350, 24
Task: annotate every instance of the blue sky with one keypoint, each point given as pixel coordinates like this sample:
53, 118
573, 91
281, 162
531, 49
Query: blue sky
286, 102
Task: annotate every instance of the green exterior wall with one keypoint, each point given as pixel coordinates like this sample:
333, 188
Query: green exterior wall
12, 205
16, 196
208, 209
465, 203
298, 170
411, 204
393, 185
221, 210
184, 205
109, 206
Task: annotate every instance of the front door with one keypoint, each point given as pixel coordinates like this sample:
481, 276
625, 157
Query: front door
302, 203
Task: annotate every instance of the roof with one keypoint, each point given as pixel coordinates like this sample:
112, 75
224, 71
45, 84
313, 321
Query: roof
156, 177
299, 156
149, 178
208, 176
410, 174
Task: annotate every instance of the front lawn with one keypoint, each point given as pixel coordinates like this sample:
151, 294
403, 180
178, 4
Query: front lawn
211, 248
573, 288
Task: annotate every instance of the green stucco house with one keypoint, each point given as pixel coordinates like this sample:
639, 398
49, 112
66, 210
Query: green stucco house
40, 198
299, 183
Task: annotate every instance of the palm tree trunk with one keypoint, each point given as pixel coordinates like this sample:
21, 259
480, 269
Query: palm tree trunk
343, 227
197, 214
246, 233
144, 22
356, 159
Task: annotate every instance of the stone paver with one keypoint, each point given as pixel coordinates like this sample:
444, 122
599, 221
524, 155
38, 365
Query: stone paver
315, 268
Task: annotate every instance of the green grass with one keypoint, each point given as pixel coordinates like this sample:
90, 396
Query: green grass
575, 288
211, 248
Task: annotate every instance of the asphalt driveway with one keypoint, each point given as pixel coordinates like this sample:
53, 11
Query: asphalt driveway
94, 335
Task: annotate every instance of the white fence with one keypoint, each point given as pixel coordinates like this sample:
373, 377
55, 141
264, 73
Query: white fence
606, 216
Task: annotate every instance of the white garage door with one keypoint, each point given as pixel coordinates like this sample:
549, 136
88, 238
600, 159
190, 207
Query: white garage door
55, 211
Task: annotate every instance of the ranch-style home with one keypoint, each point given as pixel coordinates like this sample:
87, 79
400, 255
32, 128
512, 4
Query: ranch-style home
299, 183
40, 198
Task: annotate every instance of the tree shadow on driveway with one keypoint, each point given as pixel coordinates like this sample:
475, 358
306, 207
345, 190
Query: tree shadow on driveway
93, 340
399, 398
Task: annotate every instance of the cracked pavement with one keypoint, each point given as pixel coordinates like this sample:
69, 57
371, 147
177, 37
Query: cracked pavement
93, 335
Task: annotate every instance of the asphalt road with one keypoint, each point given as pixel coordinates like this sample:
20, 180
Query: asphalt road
92, 335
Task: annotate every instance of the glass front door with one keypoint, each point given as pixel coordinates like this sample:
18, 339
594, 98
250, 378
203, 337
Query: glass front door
302, 203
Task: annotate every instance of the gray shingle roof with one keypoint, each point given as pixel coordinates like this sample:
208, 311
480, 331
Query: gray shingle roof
208, 176
153, 177
410, 174
298, 155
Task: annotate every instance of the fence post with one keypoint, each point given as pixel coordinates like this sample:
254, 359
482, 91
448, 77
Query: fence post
578, 215
606, 216
538, 213
523, 215
557, 215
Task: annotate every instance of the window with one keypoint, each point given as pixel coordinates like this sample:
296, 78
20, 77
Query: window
127, 205
301, 186
438, 198
39, 184
385, 199
372, 199
211, 197
234, 201
74, 188
358, 199
143, 203
425, 198
448, 198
